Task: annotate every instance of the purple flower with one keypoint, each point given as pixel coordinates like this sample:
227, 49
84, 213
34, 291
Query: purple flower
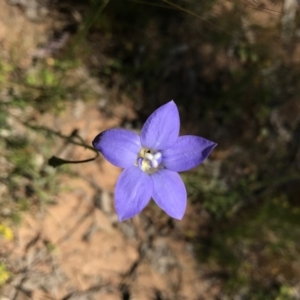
151, 162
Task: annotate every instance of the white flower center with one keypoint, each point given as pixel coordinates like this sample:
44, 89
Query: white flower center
149, 160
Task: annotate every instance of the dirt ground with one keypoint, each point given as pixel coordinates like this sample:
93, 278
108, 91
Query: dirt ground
76, 248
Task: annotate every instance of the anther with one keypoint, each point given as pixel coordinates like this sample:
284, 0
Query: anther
140, 162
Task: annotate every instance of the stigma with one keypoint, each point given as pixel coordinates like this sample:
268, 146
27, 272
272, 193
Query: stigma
149, 161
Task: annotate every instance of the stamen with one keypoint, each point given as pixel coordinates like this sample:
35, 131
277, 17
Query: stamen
149, 161
140, 162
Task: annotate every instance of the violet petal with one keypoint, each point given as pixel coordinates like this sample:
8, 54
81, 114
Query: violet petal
161, 129
119, 146
188, 152
133, 192
169, 193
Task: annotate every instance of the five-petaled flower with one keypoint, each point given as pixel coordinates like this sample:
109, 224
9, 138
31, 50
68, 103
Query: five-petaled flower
151, 162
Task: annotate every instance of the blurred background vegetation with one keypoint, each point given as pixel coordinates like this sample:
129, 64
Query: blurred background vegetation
233, 69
